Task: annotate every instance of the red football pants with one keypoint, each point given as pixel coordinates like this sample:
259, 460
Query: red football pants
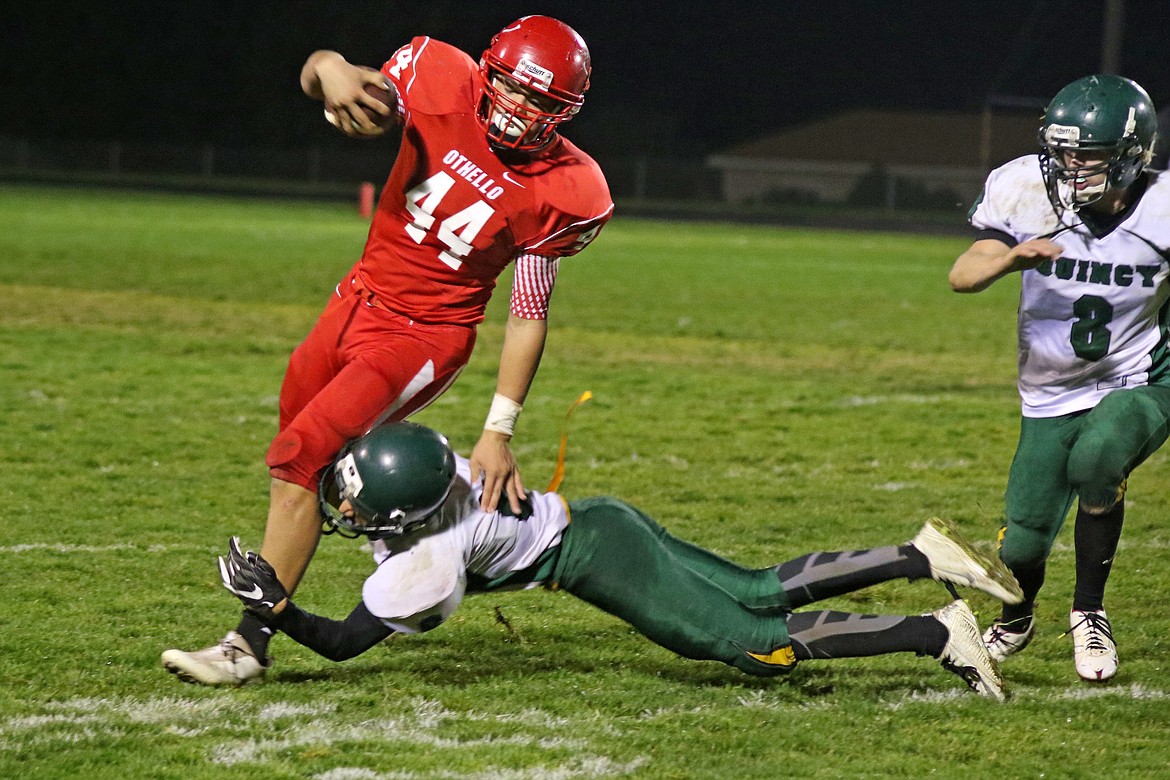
360, 365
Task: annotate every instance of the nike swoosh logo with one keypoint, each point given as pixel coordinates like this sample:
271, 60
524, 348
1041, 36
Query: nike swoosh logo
255, 593
508, 177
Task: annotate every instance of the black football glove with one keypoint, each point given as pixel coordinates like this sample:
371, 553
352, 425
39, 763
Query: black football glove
252, 580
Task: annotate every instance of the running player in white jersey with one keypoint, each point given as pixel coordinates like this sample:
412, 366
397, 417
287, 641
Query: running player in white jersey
402, 486
1087, 227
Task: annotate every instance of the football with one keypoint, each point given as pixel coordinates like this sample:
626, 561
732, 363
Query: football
387, 94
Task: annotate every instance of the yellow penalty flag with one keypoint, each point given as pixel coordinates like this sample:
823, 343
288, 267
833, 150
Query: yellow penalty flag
559, 473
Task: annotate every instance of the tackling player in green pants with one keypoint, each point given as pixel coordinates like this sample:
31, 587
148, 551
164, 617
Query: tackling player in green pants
401, 486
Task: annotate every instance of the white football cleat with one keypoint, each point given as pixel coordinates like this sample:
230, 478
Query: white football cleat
1004, 639
954, 560
1094, 651
965, 654
231, 662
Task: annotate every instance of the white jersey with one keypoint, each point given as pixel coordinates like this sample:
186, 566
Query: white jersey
422, 575
1093, 320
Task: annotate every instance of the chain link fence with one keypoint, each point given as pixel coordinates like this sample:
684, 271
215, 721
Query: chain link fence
654, 186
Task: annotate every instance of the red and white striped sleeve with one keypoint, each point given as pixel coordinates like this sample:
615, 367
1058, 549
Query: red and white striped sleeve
532, 285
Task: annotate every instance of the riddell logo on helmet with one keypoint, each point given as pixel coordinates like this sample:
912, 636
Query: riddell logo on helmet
1069, 135
528, 72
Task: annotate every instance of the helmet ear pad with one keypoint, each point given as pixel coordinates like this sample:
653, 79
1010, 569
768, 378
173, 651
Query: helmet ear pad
1126, 172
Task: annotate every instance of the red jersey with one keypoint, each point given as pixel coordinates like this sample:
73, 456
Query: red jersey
452, 214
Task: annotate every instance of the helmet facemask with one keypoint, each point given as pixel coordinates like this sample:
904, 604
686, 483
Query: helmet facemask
534, 77
1108, 119
394, 479
1067, 184
511, 124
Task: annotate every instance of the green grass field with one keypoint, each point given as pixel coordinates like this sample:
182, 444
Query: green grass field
763, 392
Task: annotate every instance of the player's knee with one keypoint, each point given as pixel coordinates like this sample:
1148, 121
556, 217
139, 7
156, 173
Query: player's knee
1097, 473
298, 455
1024, 547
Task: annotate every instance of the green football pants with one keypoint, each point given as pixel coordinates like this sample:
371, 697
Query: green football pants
680, 596
1085, 454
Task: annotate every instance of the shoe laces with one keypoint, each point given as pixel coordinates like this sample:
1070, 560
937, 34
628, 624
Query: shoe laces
1097, 631
232, 651
969, 674
1000, 630
999, 634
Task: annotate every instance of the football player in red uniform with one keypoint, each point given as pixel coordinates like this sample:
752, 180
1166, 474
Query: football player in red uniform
482, 179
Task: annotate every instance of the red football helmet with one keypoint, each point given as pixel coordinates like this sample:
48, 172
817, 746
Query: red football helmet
544, 56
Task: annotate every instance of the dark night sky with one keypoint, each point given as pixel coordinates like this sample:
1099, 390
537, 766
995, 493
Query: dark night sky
672, 79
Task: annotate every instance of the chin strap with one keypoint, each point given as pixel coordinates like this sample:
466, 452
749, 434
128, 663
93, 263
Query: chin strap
325, 507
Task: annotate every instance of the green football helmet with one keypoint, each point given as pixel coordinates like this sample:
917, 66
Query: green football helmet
396, 477
1096, 113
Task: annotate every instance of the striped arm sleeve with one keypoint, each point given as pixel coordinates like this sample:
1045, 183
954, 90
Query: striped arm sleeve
532, 285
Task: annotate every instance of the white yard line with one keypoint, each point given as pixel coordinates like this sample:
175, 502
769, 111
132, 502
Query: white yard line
79, 720
67, 549
72, 721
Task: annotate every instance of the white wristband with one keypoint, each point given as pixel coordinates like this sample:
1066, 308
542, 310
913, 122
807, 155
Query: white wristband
502, 416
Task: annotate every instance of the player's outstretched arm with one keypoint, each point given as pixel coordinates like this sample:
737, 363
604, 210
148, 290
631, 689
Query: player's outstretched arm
337, 640
989, 260
252, 580
492, 456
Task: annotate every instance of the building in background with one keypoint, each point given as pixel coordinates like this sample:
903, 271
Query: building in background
885, 158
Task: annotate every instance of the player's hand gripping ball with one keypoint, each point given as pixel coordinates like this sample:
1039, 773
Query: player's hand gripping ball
383, 92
